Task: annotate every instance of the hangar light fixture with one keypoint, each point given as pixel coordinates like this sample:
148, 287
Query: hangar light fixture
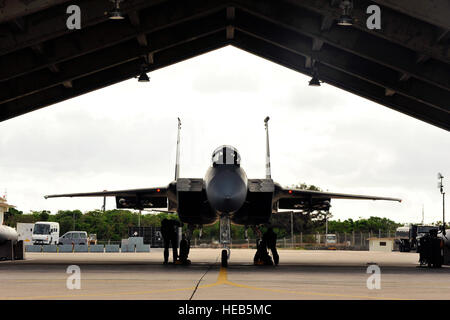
143, 77
116, 14
315, 82
346, 19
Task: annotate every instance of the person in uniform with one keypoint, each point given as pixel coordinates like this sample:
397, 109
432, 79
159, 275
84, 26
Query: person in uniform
170, 235
184, 250
270, 239
262, 257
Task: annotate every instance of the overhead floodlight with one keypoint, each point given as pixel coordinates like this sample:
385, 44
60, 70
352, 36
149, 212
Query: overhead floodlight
314, 82
143, 77
116, 14
440, 176
345, 19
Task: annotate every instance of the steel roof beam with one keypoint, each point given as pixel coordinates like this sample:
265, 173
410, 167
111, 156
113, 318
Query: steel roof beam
343, 61
344, 81
103, 35
349, 39
396, 27
111, 76
434, 12
108, 57
13, 9
51, 23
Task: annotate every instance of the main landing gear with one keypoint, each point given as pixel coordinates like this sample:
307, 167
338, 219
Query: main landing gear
225, 239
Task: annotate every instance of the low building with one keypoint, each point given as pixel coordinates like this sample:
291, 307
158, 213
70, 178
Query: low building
381, 244
3, 209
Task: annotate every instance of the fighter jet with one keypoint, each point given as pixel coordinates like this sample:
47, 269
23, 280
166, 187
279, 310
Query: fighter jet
225, 194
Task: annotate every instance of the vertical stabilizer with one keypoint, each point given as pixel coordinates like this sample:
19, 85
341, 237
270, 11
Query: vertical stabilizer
423, 214
268, 172
177, 161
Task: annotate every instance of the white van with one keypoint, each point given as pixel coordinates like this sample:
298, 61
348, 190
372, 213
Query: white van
74, 237
45, 232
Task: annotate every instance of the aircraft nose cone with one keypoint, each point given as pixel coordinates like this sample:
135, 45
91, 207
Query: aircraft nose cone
227, 193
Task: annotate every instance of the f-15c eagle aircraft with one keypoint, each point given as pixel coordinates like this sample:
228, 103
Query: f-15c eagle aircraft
225, 194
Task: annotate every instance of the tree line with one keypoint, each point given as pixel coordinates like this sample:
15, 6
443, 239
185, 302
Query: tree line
113, 224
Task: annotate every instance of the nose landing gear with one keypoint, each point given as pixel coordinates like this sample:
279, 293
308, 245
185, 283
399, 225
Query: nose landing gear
225, 239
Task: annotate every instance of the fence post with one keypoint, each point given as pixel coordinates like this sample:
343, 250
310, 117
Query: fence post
370, 235
284, 241
301, 238
361, 239
353, 237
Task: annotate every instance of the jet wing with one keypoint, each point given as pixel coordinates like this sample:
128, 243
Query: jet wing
315, 200
128, 199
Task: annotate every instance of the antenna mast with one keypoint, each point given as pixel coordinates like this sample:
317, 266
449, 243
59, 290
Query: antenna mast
268, 171
177, 161
441, 188
423, 214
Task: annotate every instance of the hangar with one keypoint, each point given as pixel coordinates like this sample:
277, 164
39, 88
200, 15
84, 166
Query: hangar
403, 66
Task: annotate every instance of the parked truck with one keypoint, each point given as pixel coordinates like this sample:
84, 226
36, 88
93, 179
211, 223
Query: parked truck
25, 231
45, 232
434, 248
408, 237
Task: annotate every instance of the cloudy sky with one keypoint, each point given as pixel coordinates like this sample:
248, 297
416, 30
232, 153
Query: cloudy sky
124, 136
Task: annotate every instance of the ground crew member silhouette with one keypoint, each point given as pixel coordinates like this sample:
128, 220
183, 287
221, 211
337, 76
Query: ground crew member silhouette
184, 250
270, 238
170, 235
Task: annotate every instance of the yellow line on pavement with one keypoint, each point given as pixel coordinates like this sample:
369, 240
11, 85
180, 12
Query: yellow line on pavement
223, 279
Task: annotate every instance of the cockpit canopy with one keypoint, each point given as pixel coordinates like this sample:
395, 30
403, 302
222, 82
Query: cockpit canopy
226, 155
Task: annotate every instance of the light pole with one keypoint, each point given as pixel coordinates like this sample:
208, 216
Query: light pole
326, 220
139, 221
441, 188
104, 202
292, 229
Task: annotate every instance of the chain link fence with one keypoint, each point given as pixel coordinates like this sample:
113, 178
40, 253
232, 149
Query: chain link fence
316, 241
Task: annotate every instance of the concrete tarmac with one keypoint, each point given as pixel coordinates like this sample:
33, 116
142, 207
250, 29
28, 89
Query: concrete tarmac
302, 274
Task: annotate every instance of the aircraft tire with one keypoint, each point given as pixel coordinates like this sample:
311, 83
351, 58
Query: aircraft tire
224, 258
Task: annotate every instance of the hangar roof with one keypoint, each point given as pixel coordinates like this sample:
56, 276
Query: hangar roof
404, 66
